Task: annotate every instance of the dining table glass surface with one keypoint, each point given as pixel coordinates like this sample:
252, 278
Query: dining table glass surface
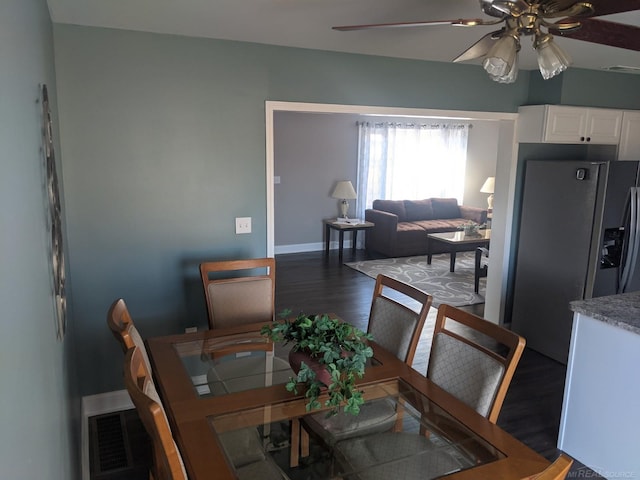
225, 394
425, 443
228, 370
235, 364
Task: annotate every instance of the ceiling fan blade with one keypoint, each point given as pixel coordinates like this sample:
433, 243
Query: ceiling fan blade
463, 22
609, 7
510, 7
578, 9
480, 48
605, 33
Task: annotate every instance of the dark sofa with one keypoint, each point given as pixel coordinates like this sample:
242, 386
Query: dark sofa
401, 226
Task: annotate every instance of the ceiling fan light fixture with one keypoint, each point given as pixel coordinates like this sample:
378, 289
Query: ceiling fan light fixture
552, 60
502, 56
510, 77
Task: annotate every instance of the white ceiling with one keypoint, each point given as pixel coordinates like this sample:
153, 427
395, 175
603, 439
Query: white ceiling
307, 24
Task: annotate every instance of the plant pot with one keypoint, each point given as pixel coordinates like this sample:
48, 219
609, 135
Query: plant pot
296, 357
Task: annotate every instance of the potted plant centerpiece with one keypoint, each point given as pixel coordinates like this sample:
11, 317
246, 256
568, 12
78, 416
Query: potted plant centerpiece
327, 355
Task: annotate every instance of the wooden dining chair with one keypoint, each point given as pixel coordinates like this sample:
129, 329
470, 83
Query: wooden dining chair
474, 360
558, 470
167, 460
396, 327
239, 291
123, 329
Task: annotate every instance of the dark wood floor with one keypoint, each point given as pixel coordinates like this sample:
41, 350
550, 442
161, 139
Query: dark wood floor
313, 283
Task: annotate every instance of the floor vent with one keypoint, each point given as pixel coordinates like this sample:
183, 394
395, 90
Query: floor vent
119, 447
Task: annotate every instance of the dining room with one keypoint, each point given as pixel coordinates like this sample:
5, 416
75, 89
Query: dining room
526, 420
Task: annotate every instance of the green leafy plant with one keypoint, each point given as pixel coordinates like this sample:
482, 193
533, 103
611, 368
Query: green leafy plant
340, 348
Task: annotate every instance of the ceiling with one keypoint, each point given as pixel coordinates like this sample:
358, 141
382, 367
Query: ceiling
307, 24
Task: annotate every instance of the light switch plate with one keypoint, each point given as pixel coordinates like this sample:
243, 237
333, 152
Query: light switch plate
243, 225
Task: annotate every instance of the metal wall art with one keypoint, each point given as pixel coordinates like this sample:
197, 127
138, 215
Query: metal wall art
54, 218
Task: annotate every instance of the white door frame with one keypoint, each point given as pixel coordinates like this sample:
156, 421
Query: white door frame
501, 225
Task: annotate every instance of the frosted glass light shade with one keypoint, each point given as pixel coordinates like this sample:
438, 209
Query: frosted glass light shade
552, 60
510, 77
501, 57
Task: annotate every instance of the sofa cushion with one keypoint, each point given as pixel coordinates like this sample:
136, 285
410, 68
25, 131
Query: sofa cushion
437, 226
418, 210
445, 208
392, 206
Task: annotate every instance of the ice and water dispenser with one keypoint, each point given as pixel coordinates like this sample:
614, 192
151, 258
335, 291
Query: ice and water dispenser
611, 254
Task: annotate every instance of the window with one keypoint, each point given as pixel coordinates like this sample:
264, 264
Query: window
398, 161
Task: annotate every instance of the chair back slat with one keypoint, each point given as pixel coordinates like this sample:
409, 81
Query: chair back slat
233, 299
167, 460
474, 359
393, 324
124, 330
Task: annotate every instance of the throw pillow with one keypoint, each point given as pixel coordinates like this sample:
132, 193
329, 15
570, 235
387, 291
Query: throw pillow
445, 208
392, 206
418, 210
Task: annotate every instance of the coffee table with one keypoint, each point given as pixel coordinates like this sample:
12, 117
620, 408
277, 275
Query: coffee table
458, 242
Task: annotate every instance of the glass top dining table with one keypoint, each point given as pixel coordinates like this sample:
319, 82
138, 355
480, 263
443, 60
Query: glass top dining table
233, 418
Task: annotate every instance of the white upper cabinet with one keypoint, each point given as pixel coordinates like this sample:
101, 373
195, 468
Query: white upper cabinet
629, 148
560, 124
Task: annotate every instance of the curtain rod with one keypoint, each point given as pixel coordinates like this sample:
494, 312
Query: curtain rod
413, 125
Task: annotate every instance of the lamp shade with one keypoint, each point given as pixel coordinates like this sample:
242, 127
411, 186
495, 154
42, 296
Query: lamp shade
501, 57
552, 60
344, 190
489, 185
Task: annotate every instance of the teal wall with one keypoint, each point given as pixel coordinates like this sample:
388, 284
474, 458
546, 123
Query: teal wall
35, 402
588, 88
164, 144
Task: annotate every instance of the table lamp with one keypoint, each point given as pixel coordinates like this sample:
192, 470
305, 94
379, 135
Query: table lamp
344, 191
488, 187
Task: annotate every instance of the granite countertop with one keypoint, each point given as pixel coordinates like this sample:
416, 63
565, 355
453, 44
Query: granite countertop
621, 311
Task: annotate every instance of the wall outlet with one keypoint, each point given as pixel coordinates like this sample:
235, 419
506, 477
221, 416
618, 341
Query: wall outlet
243, 225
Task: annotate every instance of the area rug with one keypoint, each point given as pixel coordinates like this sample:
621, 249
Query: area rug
454, 288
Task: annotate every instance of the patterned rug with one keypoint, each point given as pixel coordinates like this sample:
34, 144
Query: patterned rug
453, 288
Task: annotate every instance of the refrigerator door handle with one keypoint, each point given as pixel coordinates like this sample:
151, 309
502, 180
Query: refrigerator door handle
631, 226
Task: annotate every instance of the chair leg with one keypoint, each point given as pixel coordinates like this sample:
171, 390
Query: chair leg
294, 449
304, 442
476, 276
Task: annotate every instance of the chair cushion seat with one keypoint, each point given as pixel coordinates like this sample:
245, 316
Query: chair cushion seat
395, 455
242, 446
374, 416
264, 470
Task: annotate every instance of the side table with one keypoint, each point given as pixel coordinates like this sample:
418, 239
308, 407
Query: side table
341, 228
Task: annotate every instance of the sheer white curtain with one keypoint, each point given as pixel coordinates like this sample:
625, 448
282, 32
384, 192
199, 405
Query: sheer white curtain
398, 161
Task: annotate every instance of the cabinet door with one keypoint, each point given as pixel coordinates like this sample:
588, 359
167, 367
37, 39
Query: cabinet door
565, 124
603, 126
630, 137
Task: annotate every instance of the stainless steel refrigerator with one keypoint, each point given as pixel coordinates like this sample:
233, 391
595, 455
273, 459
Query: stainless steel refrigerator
578, 238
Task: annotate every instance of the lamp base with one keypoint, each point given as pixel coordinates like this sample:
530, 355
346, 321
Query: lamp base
344, 208
490, 202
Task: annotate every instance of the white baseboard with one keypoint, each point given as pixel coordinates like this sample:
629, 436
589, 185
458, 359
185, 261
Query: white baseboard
98, 405
308, 247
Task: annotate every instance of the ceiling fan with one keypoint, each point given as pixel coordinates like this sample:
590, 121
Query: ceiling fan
568, 18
